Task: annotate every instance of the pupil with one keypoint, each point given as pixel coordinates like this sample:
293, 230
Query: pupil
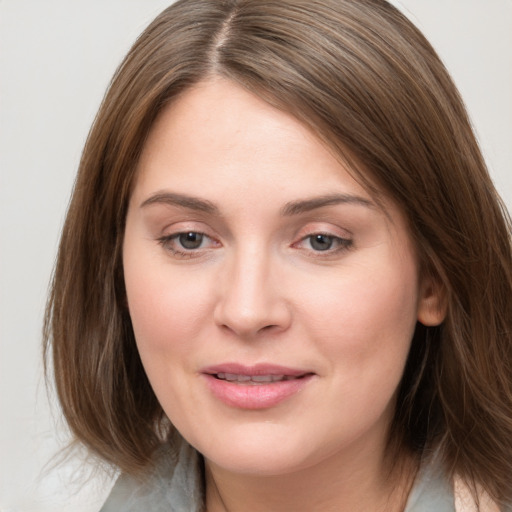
191, 240
321, 242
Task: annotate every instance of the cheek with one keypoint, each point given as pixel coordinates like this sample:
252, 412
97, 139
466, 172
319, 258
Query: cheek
164, 316
365, 336
166, 308
166, 321
364, 322
365, 306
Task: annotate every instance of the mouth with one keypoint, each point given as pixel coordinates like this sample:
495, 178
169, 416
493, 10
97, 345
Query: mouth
254, 387
255, 380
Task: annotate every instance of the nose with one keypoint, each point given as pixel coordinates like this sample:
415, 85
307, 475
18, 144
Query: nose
251, 299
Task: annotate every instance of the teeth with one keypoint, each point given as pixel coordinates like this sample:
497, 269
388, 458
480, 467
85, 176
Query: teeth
258, 379
262, 378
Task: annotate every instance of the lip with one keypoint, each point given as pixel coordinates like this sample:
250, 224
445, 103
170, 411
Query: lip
255, 395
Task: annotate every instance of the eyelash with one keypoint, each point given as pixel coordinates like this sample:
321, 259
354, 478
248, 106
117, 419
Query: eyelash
168, 241
341, 244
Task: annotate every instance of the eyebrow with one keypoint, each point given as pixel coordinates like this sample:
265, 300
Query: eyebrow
189, 202
289, 209
307, 205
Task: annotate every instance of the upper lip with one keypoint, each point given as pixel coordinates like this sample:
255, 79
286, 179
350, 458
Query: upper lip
254, 370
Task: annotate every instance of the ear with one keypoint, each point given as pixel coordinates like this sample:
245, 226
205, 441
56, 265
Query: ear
432, 302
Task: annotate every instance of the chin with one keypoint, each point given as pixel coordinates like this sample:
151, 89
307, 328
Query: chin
270, 455
258, 464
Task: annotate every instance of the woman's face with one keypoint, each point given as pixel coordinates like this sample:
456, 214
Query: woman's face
273, 302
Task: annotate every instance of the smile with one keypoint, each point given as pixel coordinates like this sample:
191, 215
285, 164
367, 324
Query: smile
254, 379
262, 386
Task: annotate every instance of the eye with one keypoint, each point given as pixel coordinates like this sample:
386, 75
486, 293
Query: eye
187, 244
322, 242
190, 240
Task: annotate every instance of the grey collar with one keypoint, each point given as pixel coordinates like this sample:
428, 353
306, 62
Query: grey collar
176, 486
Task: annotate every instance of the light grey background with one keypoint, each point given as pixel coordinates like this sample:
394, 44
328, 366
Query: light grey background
56, 59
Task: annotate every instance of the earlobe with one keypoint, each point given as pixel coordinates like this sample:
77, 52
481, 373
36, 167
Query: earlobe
432, 303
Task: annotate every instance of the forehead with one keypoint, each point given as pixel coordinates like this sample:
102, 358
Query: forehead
218, 134
217, 130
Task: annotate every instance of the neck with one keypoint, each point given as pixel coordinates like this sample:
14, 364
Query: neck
365, 483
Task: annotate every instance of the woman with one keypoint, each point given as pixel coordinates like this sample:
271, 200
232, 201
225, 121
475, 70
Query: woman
285, 278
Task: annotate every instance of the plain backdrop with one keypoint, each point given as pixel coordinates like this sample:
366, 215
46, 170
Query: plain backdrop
56, 59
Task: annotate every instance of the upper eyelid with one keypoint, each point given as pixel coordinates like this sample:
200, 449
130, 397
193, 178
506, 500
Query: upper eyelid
329, 235
327, 232
176, 228
176, 234
319, 228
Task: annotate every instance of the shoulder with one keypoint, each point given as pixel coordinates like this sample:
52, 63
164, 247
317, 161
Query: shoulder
432, 490
435, 490
173, 486
465, 501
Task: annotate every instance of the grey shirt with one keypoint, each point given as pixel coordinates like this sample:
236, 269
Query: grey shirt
176, 486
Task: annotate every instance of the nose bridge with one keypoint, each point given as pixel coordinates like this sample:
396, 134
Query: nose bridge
251, 299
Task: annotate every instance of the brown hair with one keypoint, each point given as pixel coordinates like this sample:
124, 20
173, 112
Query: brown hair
363, 78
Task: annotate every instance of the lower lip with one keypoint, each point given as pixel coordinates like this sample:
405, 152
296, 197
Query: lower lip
257, 396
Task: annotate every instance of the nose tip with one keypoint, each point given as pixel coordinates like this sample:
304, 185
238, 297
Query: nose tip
247, 322
251, 304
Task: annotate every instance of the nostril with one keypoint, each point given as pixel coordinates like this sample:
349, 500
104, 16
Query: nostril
247, 310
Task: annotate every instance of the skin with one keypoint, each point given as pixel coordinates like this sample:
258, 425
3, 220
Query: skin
259, 288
